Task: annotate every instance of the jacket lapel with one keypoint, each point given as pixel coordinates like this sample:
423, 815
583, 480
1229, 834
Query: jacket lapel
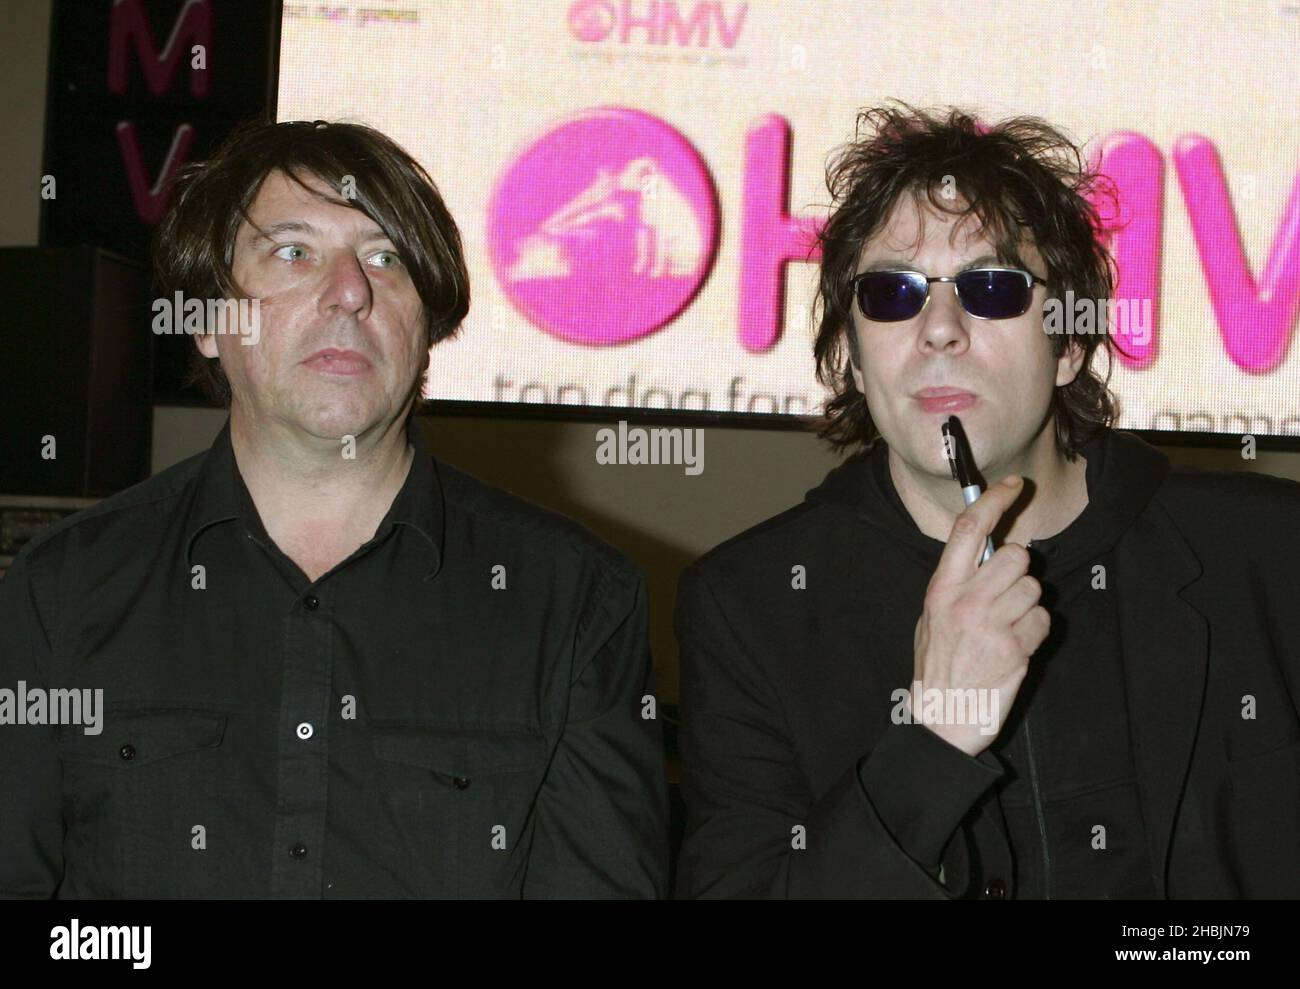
1164, 642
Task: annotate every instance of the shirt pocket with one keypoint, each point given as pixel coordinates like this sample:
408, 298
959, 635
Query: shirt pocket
132, 797
462, 802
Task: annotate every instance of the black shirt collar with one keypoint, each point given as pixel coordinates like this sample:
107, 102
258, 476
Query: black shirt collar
221, 496
1123, 474
1082, 538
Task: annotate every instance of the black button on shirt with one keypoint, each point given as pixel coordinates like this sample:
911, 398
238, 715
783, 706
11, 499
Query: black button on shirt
472, 679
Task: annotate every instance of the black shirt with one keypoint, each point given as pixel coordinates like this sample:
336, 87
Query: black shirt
1061, 781
463, 707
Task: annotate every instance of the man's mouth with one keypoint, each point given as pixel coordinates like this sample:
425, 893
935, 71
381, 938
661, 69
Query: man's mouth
944, 399
332, 361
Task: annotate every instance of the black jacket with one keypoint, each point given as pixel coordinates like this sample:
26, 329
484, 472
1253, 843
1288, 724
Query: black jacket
786, 692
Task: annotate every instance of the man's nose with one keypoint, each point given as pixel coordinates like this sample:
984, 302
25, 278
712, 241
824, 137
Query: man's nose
943, 321
346, 284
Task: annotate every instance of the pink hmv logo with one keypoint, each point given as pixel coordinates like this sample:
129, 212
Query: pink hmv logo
591, 20
602, 230
702, 24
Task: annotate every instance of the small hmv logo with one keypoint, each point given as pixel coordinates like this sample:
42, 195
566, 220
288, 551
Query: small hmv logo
701, 24
603, 229
592, 20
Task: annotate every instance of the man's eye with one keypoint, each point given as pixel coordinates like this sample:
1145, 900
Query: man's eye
393, 260
290, 247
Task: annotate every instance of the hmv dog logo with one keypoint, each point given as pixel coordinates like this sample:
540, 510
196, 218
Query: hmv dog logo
668, 243
592, 20
604, 229
658, 22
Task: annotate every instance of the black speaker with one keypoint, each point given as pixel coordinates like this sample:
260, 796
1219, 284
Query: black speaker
75, 372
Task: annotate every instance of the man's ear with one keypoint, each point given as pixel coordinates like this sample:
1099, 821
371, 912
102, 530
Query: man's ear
207, 343
422, 379
1069, 363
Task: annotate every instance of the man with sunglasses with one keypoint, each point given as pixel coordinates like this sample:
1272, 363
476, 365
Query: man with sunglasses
1101, 709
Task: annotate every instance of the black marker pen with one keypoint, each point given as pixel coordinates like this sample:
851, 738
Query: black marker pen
959, 462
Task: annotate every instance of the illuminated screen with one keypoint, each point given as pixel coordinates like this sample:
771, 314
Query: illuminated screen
635, 180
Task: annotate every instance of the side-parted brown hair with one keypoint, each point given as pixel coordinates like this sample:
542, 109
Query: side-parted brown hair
193, 246
1020, 178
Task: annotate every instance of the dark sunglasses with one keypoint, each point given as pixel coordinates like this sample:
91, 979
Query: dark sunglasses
985, 293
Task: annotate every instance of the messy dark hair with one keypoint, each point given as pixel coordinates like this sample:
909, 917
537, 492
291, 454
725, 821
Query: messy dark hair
1019, 178
193, 246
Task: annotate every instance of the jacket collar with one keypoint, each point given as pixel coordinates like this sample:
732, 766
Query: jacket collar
220, 496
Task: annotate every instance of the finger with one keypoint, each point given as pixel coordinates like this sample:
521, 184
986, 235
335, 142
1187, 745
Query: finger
1009, 563
1032, 629
1013, 603
970, 530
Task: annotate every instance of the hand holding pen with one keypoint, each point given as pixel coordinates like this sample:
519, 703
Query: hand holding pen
979, 624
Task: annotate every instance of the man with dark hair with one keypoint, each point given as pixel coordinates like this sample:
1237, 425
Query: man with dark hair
1104, 707
332, 665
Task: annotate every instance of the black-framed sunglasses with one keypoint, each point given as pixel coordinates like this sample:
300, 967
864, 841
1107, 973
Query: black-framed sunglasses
985, 293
